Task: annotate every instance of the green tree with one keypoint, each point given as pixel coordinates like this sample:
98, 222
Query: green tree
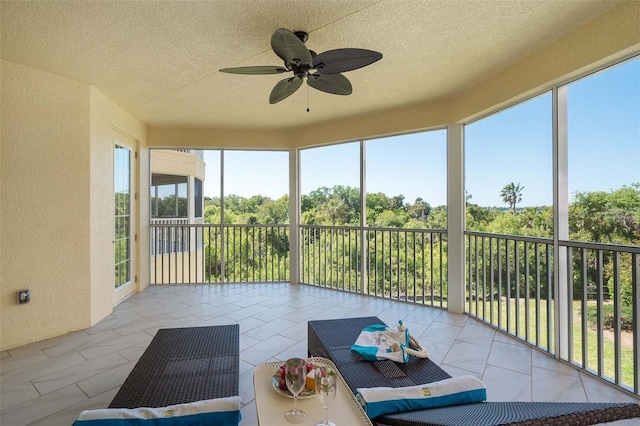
392, 219
420, 209
350, 197
274, 212
512, 195
505, 223
376, 203
437, 218
334, 211
397, 202
211, 214
606, 217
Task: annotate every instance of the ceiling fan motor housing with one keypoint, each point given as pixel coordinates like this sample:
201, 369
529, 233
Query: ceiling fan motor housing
302, 35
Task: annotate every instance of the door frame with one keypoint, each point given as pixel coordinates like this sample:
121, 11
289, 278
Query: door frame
125, 290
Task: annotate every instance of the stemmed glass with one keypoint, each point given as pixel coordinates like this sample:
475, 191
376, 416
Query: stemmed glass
325, 381
295, 376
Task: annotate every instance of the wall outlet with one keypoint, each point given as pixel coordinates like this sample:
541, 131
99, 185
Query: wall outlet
24, 296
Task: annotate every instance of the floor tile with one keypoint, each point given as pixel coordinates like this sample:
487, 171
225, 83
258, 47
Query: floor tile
467, 356
506, 385
85, 369
10, 397
511, 357
599, 391
77, 373
441, 332
543, 360
249, 414
20, 362
40, 369
548, 385
41, 407
474, 332
106, 381
267, 349
68, 415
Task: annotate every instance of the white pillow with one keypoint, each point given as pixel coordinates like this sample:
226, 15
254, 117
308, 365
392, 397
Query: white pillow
220, 411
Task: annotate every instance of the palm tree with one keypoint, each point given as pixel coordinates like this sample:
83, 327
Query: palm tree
335, 210
512, 195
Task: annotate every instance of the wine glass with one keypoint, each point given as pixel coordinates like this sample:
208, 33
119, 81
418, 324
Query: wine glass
325, 381
295, 376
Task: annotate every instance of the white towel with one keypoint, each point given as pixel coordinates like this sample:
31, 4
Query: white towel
221, 411
453, 391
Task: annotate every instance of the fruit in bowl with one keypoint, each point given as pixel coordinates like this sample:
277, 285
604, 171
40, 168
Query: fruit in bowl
282, 383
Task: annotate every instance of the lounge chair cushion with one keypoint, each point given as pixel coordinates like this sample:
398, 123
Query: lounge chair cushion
221, 411
453, 391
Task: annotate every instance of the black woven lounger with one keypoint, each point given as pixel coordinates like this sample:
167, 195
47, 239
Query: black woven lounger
333, 339
183, 365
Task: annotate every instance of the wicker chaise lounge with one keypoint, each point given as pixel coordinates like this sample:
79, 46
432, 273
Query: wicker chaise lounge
183, 365
333, 339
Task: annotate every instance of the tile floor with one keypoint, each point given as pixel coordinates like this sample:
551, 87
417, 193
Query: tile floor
51, 381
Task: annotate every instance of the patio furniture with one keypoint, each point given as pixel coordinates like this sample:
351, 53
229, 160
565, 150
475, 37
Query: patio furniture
271, 405
332, 339
183, 365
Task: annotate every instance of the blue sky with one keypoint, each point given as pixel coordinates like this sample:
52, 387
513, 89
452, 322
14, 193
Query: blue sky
513, 145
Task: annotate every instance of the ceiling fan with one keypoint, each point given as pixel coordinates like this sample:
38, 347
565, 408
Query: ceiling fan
321, 70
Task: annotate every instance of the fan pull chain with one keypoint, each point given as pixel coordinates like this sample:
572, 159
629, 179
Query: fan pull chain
307, 97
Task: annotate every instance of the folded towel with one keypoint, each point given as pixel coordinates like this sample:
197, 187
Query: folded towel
379, 341
454, 391
221, 411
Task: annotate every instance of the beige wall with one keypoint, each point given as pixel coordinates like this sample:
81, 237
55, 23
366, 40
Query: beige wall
169, 137
178, 163
56, 203
44, 219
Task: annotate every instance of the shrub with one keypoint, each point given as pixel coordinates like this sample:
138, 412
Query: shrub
626, 316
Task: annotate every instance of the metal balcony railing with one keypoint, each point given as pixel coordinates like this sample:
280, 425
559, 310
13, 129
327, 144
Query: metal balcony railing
204, 253
603, 283
587, 314
510, 285
400, 264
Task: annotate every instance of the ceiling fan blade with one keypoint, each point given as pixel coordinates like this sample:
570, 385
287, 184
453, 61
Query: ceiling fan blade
336, 84
289, 47
257, 70
343, 60
284, 88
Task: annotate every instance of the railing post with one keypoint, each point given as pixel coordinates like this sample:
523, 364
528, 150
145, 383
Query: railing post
222, 251
455, 219
294, 216
364, 237
561, 223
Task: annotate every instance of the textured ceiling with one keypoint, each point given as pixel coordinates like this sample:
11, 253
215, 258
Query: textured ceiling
159, 60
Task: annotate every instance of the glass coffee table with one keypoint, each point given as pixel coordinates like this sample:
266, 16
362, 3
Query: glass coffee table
272, 403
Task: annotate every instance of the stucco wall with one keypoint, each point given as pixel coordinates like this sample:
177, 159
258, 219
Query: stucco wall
56, 204
44, 213
178, 163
